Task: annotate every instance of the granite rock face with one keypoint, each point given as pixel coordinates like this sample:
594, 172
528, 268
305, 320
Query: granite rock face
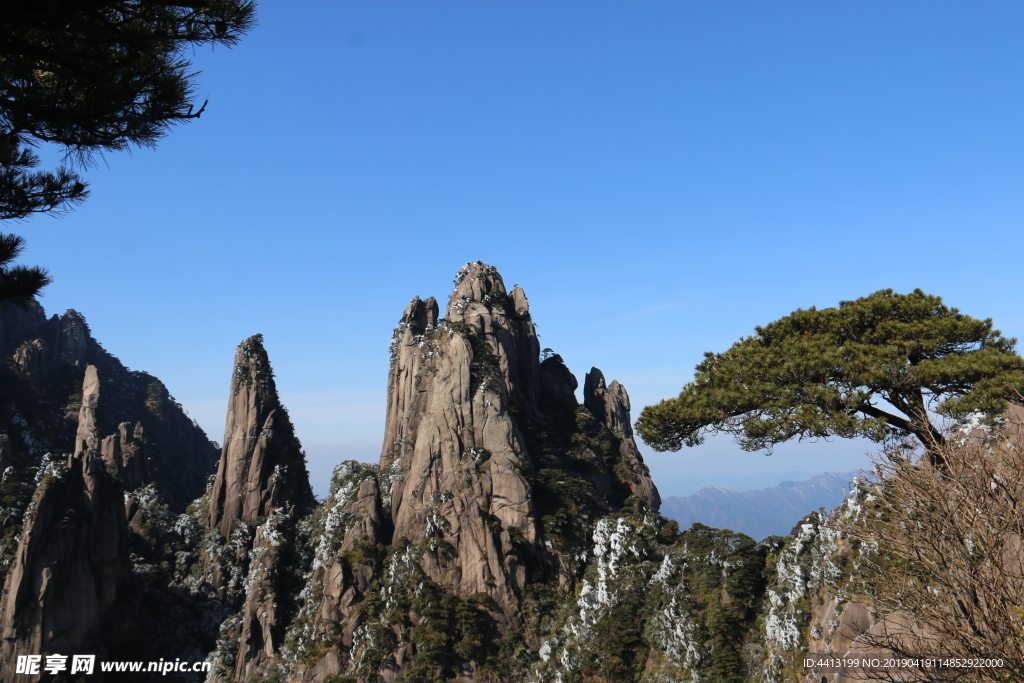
458, 457
87, 438
346, 532
260, 491
66, 592
39, 402
462, 394
610, 405
262, 466
491, 479
126, 455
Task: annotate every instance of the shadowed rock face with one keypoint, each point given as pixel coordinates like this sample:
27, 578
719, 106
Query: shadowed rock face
262, 466
65, 338
72, 568
261, 481
610, 405
126, 455
33, 361
39, 396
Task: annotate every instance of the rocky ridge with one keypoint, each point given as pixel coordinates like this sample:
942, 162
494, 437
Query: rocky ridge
67, 588
40, 394
760, 513
260, 491
507, 533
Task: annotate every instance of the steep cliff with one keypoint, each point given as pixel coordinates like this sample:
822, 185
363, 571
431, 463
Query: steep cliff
40, 394
69, 587
261, 490
508, 532
437, 563
72, 583
262, 466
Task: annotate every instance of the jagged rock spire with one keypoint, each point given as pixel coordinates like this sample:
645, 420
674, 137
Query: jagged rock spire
610, 405
71, 569
124, 454
262, 466
261, 481
87, 438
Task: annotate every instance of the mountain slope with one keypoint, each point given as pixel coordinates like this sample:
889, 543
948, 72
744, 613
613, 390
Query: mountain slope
41, 373
508, 533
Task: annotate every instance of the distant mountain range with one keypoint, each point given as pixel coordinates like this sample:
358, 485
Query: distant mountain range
759, 513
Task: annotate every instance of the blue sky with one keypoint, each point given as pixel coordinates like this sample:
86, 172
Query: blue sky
660, 177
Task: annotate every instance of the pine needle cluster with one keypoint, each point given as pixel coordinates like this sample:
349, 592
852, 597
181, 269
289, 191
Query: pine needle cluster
878, 367
93, 76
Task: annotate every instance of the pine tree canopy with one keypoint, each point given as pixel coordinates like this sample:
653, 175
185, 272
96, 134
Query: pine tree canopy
18, 284
879, 366
94, 76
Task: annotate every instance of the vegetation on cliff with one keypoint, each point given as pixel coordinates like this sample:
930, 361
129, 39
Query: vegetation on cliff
876, 367
941, 551
509, 532
96, 77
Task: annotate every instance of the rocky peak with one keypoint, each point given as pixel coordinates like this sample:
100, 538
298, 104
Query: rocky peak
64, 338
475, 282
453, 459
262, 466
259, 493
73, 337
466, 397
71, 569
87, 438
518, 301
39, 401
498, 327
557, 384
420, 315
610, 405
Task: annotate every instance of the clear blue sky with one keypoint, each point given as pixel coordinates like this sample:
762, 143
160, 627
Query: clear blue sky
659, 176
